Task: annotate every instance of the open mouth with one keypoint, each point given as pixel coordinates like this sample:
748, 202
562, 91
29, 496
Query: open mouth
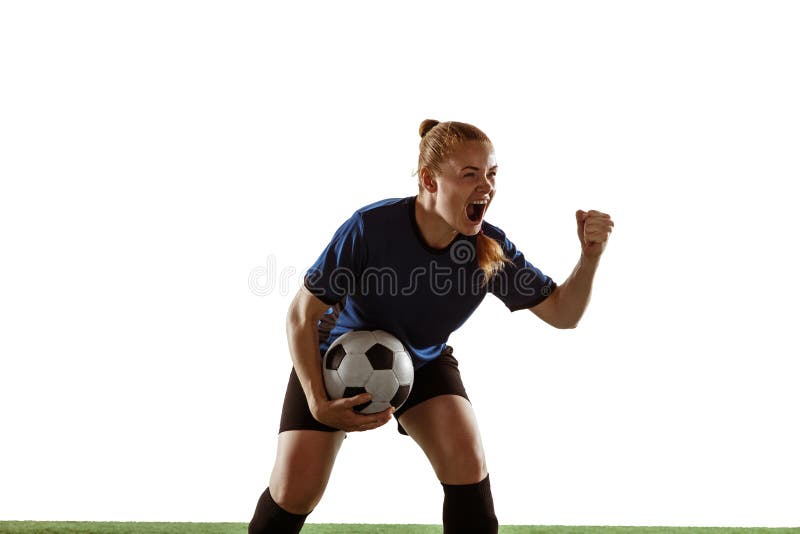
476, 209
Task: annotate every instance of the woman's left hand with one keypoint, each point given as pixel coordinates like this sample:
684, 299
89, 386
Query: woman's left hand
594, 228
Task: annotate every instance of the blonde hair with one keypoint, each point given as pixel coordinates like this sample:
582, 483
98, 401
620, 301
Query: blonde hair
439, 140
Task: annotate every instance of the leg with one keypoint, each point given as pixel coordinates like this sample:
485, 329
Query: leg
446, 429
307, 450
302, 468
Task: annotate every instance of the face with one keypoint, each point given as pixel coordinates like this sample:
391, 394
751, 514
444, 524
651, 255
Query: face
465, 186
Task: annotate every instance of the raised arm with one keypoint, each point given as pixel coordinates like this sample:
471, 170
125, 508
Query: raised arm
565, 306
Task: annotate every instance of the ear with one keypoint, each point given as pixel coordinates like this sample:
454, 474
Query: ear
427, 179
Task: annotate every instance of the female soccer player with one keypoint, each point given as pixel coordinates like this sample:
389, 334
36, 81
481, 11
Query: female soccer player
416, 267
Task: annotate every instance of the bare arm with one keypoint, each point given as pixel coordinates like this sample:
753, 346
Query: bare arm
301, 330
565, 307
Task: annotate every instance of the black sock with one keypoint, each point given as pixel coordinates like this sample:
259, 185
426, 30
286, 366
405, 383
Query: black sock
469, 508
272, 519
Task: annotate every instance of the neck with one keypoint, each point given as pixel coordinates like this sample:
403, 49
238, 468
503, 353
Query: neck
435, 230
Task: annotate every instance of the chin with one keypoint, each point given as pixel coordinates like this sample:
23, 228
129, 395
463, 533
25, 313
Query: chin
470, 228
473, 230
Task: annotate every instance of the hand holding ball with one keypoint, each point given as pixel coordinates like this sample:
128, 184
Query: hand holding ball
374, 362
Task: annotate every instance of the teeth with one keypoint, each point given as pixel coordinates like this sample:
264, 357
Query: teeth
479, 202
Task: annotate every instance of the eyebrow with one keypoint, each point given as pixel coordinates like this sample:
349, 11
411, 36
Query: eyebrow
476, 168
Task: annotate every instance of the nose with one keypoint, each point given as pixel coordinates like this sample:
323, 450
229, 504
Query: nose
486, 185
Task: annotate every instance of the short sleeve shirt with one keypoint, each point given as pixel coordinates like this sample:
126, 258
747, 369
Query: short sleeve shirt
380, 269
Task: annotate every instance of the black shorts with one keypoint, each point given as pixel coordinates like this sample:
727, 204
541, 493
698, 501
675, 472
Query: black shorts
438, 377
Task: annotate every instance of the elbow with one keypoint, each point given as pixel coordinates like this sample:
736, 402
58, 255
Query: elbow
570, 323
566, 325
570, 320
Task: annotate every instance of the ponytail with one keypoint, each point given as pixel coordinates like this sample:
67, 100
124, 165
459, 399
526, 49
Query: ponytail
490, 256
438, 140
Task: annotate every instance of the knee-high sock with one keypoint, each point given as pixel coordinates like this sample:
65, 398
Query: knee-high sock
270, 518
469, 508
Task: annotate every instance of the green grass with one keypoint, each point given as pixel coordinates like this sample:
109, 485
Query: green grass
71, 527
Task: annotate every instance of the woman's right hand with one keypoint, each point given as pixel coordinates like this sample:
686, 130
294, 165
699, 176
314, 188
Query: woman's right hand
339, 414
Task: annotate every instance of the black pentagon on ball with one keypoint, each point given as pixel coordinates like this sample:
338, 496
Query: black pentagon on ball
380, 356
352, 392
401, 396
335, 357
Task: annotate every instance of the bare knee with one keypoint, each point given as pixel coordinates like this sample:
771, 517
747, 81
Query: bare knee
296, 496
302, 468
446, 429
463, 465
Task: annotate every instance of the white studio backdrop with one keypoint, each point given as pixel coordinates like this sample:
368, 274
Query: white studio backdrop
170, 169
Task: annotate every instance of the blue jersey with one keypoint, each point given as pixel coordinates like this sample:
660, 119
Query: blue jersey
378, 273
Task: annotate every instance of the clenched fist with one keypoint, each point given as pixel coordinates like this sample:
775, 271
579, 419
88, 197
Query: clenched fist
594, 227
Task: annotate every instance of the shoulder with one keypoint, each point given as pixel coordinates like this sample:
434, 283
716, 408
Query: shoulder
382, 206
377, 215
382, 211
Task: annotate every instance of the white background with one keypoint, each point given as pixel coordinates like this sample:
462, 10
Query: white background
165, 165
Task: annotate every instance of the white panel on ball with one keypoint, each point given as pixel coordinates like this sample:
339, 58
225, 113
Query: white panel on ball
382, 385
403, 368
333, 383
375, 407
356, 341
355, 370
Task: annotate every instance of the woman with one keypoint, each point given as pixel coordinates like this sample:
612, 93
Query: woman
416, 267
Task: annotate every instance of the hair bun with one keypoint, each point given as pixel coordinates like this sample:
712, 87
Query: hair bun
426, 126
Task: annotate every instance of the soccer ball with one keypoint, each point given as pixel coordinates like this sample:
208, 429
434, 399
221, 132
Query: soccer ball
364, 361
